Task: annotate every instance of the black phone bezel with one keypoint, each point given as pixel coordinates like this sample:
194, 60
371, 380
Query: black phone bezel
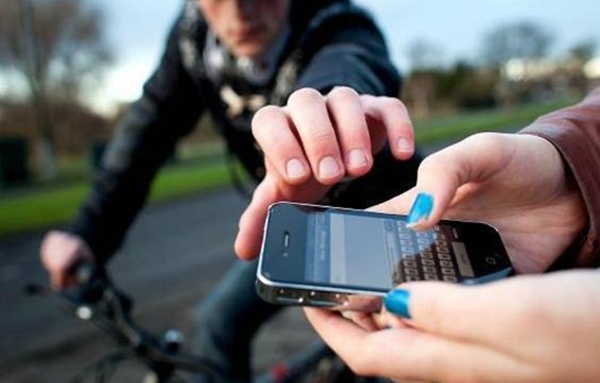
284, 217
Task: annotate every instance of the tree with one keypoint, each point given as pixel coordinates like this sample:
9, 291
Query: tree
57, 47
423, 55
523, 40
577, 57
425, 61
583, 51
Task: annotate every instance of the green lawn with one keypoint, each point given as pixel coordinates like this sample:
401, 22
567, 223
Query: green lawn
48, 206
462, 125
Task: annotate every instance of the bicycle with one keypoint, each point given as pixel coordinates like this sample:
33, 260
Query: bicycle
99, 301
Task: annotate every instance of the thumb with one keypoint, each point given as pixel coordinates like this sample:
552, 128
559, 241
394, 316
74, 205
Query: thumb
251, 225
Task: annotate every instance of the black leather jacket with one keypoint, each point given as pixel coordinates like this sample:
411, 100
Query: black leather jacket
330, 43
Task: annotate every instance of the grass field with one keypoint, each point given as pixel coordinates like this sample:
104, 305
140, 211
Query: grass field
48, 206
53, 206
462, 125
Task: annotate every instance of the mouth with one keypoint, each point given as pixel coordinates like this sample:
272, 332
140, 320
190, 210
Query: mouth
246, 33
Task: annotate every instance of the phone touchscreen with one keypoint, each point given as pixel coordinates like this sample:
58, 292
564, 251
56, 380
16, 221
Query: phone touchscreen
376, 252
361, 250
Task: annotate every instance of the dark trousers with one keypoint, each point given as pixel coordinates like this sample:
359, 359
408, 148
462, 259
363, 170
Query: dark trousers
225, 324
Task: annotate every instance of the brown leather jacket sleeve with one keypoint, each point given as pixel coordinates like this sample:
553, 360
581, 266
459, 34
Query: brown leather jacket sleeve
575, 132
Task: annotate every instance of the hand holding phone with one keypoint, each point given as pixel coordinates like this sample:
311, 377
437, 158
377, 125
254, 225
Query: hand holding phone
348, 259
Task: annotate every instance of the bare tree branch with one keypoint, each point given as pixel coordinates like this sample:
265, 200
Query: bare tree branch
57, 46
523, 40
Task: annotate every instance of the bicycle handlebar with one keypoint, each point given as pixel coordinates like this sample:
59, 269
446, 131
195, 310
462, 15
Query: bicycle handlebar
96, 299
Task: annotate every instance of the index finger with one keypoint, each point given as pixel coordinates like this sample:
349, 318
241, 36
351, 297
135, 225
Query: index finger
442, 174
308, 111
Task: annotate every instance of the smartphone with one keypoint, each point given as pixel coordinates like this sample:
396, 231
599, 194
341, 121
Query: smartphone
348, 259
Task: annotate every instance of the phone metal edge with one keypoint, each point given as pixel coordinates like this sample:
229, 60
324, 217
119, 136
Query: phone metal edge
345, 299
319, 296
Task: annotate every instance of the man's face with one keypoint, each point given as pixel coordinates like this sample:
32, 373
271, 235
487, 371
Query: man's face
246, 27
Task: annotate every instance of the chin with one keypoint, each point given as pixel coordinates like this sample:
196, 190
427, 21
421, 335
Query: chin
249, 50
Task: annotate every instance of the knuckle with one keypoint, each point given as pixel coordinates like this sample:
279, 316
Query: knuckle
429, 164
368, 99
483, 140
304, 95
263, 115
342, 93
490, 145
393, 103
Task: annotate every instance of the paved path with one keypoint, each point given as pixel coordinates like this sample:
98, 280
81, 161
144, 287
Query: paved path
174, 254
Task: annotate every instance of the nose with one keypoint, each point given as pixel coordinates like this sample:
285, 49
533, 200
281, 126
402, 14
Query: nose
245, 7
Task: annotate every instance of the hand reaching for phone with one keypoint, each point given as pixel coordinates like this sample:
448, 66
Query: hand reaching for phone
314, 142
528, 328
515, 182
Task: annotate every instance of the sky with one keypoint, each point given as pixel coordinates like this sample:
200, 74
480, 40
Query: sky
136, 30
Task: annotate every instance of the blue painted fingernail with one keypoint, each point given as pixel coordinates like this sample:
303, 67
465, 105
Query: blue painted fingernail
396, 302
421, 208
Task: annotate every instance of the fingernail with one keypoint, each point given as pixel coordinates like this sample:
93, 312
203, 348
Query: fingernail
357, 158
328, 168
294, 168
421, 209
396, 302
404, 145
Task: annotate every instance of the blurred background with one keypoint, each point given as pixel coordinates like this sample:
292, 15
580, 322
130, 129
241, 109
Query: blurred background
69, 69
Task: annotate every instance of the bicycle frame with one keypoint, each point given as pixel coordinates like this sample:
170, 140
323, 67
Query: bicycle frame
99, 301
